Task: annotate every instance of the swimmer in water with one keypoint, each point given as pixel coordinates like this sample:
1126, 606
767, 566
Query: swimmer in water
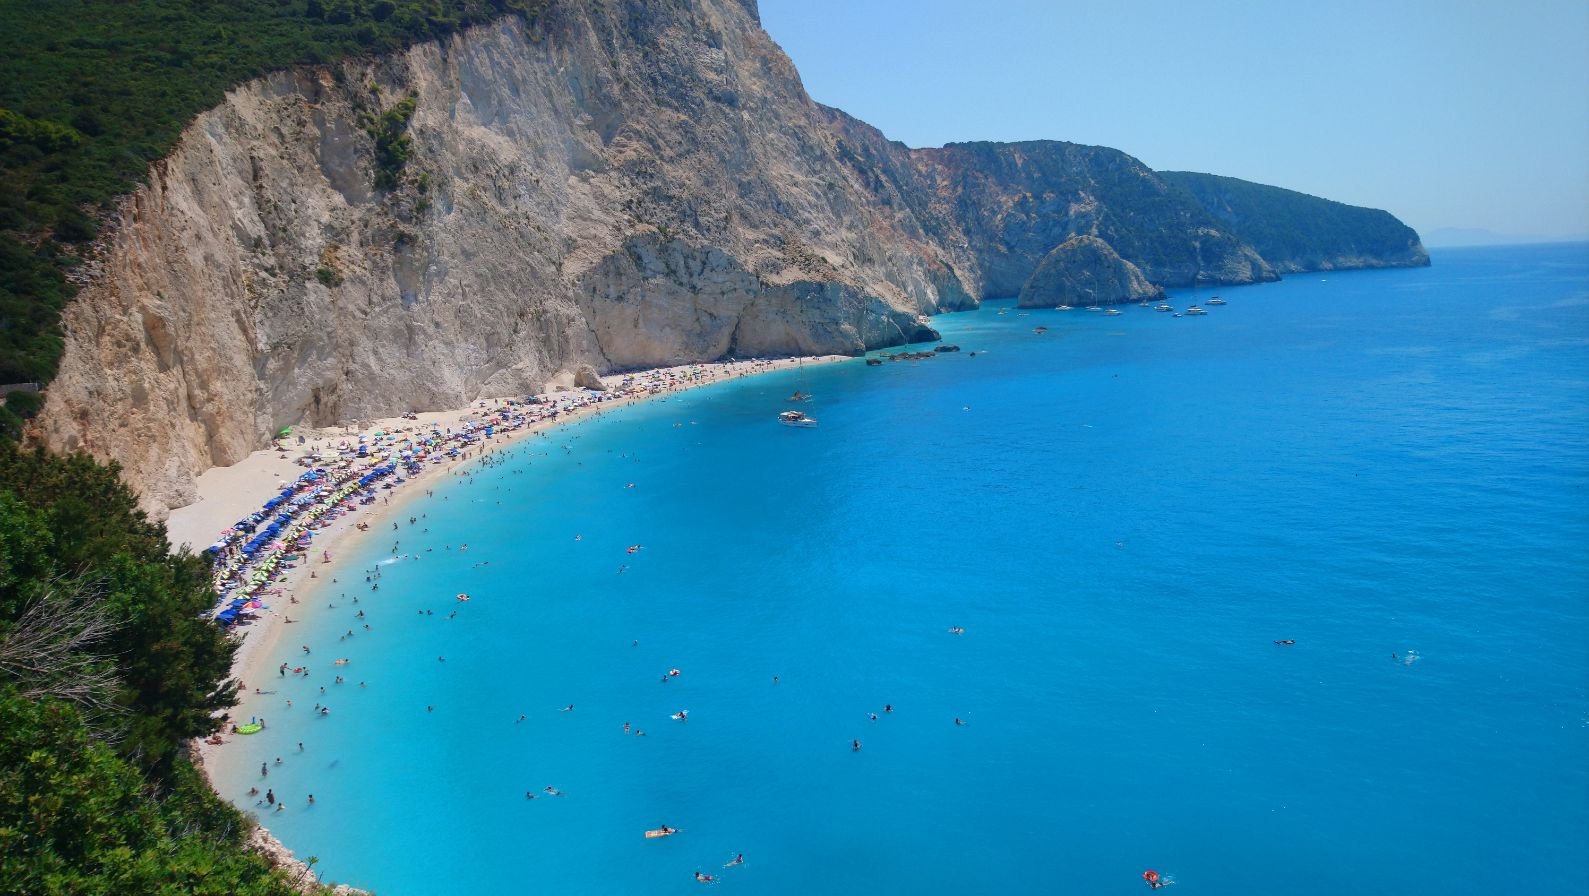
1286, 643
738, 860
855, 746
705, 878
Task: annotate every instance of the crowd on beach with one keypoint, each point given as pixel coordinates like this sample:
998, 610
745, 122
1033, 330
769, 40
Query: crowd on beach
253, 555
349, 471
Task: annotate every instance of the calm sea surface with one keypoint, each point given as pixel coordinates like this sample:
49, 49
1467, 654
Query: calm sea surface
1124, 514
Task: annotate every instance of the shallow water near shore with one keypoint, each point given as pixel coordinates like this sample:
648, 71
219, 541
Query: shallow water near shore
1124, 513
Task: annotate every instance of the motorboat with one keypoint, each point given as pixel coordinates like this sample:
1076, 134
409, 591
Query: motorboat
1094, 307
1194, 310
1216, 300
795, 418
1063, 308
1163, 306
1111, 311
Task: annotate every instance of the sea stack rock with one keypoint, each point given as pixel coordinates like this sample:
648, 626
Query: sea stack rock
1085, 270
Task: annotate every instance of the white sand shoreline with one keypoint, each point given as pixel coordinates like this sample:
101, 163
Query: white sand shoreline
228, 494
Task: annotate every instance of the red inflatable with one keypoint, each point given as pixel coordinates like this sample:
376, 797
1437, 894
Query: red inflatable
1150, 876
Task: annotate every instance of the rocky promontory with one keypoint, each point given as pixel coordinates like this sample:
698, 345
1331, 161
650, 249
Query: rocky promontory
1297, 232
1085, 270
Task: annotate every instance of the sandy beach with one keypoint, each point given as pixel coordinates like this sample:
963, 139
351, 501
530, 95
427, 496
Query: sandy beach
228, 494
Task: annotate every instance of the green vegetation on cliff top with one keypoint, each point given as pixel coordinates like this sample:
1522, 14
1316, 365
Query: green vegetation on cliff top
93, 91
107, 665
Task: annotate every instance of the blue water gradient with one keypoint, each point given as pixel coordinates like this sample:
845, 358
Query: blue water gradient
1123, 513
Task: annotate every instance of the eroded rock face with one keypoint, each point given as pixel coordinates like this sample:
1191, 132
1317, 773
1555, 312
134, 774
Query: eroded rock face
1084, 270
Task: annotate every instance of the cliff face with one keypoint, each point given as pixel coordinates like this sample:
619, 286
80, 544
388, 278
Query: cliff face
622, 184
999, 208
1016, 201
619, 184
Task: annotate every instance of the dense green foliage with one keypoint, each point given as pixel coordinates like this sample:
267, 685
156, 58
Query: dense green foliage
76, 818
95, 794
65, 519
93, 91
1295, 231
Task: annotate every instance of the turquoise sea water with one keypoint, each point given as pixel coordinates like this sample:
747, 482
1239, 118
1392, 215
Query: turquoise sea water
1124, 514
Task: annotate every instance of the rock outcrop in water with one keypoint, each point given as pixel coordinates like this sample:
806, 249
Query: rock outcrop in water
1085, 270
619, 185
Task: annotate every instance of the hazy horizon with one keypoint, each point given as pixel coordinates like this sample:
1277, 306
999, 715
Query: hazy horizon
1449, 117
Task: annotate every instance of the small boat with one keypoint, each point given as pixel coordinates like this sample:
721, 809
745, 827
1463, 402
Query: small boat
800, 396
1039, 329
1111, 311
795, 418
1163, 306
1216, 300
1063, 308
661, 832
1094, 307
1194, 310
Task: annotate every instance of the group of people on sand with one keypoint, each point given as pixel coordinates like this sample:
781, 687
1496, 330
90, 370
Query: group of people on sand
246, 562
651, 383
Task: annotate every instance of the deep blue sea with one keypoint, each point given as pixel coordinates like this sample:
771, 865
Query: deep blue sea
1124, 514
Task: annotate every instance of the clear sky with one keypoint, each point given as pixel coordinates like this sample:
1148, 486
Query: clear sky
1447, 113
